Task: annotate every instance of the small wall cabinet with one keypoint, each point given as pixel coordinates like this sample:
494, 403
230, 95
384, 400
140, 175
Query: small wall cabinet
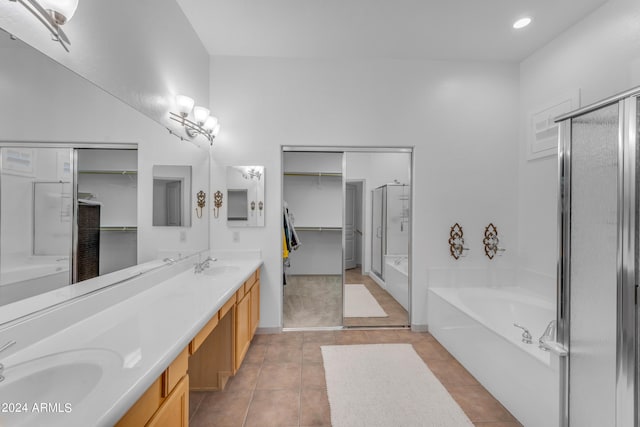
214, 355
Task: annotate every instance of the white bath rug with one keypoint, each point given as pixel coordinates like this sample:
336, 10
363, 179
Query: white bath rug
381, 385
358, 302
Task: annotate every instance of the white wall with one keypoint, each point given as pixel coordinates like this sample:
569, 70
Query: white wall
43, 101
460, 116
600, 56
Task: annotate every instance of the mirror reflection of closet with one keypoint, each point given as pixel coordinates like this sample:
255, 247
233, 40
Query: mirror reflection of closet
346, 253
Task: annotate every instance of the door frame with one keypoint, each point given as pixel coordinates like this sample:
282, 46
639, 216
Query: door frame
361, 149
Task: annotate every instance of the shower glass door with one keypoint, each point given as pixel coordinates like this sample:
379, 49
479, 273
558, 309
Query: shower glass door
595, 153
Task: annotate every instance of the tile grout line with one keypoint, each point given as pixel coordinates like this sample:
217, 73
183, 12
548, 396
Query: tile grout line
255, 386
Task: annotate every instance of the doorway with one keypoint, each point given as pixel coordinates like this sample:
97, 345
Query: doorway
328, 237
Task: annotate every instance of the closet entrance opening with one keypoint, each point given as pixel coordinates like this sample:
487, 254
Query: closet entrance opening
346, 254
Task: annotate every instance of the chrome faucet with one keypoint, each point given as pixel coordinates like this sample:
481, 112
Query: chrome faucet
549, 334
169, 260
526, 335
200, 266
3, 348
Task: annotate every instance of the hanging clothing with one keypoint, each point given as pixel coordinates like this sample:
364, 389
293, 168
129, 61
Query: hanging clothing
291, 237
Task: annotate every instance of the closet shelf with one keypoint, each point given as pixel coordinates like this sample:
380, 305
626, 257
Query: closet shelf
107, 172
318, 228
119, 228
328, 174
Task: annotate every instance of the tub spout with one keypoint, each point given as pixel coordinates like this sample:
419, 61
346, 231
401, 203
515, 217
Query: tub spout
549, 334
526, 335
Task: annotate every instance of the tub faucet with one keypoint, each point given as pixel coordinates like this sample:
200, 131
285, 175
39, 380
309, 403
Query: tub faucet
200, 266
526, 335
549, 334
3, 348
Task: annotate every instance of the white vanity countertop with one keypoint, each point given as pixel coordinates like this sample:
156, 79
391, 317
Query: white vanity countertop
132, 341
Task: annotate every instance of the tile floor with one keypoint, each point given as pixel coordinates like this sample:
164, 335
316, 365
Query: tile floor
281, 382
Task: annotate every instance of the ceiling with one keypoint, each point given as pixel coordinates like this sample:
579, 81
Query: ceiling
402, 29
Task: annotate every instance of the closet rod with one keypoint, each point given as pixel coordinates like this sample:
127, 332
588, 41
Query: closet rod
116, 228
318, 228
103, 172
336, 174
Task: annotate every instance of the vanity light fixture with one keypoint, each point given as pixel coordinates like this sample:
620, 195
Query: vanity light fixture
53, 14
202, 124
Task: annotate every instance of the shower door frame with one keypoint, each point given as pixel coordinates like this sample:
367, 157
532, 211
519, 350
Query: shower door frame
627, 343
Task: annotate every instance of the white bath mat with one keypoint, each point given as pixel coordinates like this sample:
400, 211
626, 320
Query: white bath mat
385, 385
358, 302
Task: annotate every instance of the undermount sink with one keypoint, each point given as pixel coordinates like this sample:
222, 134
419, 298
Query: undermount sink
216, 270
47, 389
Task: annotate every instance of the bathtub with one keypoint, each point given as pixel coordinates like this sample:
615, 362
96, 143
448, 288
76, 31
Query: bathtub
397, 278
476, 325
35, 275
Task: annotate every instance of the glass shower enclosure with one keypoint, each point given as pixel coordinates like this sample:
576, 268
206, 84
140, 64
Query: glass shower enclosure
390, 223
598, 263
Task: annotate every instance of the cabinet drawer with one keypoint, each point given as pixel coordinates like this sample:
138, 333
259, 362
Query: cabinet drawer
197, 341
175, 409
144, 408
226, 307
240, 293
175, 372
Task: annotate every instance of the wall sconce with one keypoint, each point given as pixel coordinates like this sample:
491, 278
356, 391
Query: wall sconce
202, 202
202, 123
456, 241
217, 203
52, 14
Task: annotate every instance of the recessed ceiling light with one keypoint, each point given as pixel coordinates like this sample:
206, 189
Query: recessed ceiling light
521, 23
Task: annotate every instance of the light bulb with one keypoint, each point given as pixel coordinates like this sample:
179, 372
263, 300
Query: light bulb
210, 123
215, 130
200, 114
61, 10
521, 23
185, 105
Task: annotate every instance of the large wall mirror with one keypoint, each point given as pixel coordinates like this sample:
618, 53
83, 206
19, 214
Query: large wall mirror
245, 196
78, 202
171, 196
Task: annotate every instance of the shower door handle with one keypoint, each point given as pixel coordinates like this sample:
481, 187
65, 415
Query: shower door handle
379, 232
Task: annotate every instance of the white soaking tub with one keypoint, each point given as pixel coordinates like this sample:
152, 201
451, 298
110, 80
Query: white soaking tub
476, 325
397, 278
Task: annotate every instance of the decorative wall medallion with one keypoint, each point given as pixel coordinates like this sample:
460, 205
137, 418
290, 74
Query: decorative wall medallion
201, 203
491, 241
217, 203
456, 241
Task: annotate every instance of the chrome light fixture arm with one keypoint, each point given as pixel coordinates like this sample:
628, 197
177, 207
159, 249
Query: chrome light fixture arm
50, 19
192, 128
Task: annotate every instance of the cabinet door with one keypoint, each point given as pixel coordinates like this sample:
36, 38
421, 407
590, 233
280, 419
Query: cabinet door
255, 307
174, 411
243, 325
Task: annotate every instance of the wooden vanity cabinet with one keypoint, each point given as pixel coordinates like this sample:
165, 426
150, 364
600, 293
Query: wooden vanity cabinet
247, 316
166, 402
214, 355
